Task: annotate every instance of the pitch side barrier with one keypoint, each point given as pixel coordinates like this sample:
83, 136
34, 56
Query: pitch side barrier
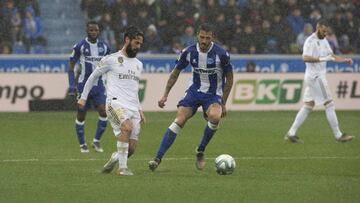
251, 91
161, 63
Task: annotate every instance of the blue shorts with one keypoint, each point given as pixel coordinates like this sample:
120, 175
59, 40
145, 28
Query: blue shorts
96, 97
195, 99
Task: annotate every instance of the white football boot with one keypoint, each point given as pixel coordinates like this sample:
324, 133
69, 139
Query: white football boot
109, 166
97, 147
84, 148
125, 172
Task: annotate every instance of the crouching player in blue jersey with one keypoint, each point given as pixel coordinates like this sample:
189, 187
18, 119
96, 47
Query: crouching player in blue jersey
212, 79
89, 52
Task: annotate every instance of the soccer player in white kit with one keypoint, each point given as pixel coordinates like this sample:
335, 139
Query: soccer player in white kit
122, 71
316, 53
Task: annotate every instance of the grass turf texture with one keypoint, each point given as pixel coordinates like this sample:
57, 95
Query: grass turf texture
40, 161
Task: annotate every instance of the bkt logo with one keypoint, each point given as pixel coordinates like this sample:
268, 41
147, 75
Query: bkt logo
267, 91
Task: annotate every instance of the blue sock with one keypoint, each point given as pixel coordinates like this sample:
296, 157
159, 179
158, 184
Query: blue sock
80, 132
101, 125
166, 142
208, 134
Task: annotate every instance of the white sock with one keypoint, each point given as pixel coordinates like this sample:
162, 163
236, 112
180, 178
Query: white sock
332, 119
123, 150
299, 119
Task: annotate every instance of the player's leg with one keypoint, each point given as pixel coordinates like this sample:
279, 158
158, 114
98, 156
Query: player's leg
101, 126
186, 109
132, 147
183, 114
80, 130
109, 166
324, 97
123, 147
334, 124
134, 137
99, 100
309, 103
332, 118
80, 120
299, 120
213, 117
213, 111
116, 115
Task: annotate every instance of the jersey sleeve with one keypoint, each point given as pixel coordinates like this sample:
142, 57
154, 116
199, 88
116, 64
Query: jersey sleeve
225, 63
75, 54
103, 66
182, 62
328, 48
108, 50
308, 49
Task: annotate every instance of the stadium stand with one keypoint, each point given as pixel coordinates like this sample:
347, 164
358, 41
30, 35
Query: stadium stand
63, 24
246, 26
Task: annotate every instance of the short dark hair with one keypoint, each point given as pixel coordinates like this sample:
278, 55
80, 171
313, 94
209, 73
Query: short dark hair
132, 32
207, 27
323, 22
92, 22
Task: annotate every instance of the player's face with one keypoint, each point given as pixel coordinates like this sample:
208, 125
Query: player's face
205, 39
322, 31
134, 46
93, 32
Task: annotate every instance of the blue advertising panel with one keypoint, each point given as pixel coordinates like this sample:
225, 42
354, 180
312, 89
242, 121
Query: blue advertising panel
165, 63
35, 65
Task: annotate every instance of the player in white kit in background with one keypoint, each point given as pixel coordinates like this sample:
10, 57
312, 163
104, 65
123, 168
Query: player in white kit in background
316, 53
122, 71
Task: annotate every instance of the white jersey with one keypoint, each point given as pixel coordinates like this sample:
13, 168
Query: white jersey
122, 79
316, 47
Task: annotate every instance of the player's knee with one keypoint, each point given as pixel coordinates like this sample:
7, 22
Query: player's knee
309, 105
80, 118
214, 116
329, 104
102, 113
126, 128
180, 121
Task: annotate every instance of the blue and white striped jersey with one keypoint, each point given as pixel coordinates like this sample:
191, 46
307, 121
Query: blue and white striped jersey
208, 69
89, 54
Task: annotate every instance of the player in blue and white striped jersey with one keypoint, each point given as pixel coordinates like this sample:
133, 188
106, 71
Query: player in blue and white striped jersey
88, 52
209, 87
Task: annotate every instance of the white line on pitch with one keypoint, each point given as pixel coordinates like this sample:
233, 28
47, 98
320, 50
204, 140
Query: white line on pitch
181, 158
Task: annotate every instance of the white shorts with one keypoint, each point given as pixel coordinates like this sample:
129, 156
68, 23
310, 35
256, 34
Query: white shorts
317, 89
117, 114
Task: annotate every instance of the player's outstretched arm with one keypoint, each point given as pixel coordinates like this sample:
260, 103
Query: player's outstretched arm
170, 83
88, 85
229, 80
339, 59
72, 79
312, 59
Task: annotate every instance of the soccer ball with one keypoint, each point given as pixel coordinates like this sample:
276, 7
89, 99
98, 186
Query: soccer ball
225, 164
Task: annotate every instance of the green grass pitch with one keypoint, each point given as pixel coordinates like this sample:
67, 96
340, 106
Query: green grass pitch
40, 161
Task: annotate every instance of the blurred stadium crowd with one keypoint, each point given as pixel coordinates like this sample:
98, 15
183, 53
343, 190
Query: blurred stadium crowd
21, 30
244, 26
